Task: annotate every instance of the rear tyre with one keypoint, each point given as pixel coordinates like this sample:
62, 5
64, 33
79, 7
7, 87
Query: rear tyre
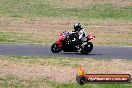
87, 48
55, 48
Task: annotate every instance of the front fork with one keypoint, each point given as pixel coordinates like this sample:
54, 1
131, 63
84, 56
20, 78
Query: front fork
59, 44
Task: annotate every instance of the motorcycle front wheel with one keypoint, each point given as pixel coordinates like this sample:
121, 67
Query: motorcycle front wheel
55, 48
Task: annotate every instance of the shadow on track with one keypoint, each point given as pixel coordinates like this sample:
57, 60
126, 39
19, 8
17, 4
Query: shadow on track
90, 54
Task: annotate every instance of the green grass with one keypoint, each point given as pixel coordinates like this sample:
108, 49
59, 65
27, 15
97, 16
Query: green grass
18, 38
57, 61
13, 37
101, 12
40, 8
16, 82
75, 85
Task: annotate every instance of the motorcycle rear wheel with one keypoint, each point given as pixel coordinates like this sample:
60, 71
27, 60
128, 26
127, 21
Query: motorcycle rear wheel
87, 48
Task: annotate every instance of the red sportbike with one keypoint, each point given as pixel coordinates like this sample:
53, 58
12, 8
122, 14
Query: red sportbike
67, 42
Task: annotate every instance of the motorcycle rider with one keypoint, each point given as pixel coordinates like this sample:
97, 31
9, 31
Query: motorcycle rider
79, 30
80, 33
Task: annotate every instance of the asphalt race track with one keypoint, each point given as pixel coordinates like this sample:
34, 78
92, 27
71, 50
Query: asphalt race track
110, 52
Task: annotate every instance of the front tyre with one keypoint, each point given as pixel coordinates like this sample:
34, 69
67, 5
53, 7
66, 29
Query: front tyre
55, 48
87, 48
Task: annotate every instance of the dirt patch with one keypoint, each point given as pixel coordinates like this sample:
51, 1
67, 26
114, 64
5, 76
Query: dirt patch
28, 71
114, 66
51, 25
46, 30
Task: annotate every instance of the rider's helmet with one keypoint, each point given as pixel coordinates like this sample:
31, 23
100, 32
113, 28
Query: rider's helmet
77, 26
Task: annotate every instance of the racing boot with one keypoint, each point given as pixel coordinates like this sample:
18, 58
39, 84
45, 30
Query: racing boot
78, 48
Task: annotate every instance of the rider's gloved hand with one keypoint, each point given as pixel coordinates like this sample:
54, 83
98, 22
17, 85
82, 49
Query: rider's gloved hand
74, 40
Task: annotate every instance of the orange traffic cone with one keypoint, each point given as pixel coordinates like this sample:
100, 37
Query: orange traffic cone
81, 71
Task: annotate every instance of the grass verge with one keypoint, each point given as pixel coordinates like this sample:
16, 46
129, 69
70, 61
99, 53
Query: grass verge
16, 82
74, 85
32, 9
40, 22
57, 72
11, 81
13, 37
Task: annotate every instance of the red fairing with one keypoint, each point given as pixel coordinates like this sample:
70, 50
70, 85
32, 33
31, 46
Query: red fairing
59, 43
61, 37
90, 37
